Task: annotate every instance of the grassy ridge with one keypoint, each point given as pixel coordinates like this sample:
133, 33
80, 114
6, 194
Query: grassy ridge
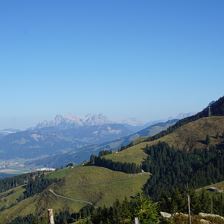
98, 185
102, 186
134, 154
22, 208
9, 198
186, 137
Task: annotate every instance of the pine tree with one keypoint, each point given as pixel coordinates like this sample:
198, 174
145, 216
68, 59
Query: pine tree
146, 210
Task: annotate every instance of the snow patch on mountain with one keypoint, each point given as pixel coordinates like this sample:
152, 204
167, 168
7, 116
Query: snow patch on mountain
75, 121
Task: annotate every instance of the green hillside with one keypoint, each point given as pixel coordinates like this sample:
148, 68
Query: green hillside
97, 185
169, 156
187, 137
8, 198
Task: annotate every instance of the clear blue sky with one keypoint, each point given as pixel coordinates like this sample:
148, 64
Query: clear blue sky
148, 59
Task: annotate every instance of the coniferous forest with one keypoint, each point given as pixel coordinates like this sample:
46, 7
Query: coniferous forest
117, 166
175, 174
172, 168
120, 212
28, 180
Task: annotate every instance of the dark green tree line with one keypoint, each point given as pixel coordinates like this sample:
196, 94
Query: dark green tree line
117, 166
173, 168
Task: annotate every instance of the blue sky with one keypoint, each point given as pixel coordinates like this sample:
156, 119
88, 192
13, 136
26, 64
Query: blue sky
145, 59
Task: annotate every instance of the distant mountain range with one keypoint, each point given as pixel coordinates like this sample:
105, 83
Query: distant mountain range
72, 121
5, 132
80, 155
172, 159
62, 134
72, 138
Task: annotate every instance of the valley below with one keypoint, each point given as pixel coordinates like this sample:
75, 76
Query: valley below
157, 168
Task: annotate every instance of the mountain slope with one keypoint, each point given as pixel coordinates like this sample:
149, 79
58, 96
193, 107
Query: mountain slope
215, 108
62, 135
151, 130
187, 134
187, 137
84, 153
97, 185
102, 186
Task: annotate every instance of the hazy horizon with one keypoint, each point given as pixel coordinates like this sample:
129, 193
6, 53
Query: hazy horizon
18, 123
120, 58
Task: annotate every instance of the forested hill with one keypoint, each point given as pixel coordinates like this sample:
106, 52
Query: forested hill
214, 109
189, 158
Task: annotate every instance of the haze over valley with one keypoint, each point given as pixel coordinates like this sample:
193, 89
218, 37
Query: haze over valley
69, 139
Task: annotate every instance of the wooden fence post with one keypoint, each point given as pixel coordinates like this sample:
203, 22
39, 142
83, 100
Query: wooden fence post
136, 220
189, 208
50, 216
